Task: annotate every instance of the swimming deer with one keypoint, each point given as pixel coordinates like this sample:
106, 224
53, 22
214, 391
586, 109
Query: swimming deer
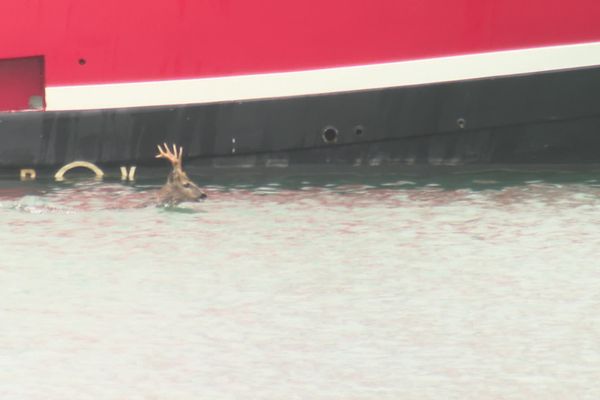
179, 188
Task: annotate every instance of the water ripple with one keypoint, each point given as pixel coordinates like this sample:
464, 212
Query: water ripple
462, 286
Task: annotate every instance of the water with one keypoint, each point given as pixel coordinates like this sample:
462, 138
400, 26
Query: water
456, 286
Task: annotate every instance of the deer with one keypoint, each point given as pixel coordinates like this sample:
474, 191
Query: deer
179, 188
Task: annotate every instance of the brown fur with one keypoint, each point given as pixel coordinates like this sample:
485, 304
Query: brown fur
179, 188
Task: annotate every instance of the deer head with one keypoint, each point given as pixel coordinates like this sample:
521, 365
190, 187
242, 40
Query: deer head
179, 188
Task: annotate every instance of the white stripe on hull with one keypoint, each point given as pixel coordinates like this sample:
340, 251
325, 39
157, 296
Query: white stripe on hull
322, 81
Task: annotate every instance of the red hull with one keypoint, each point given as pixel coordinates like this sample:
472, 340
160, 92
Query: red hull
85, 42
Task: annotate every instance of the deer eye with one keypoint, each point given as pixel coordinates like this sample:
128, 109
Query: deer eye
186, 185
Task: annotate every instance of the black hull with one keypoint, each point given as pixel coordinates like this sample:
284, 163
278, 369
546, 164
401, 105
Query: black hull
530, 119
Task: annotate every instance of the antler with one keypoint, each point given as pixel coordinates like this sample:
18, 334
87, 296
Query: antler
173, 156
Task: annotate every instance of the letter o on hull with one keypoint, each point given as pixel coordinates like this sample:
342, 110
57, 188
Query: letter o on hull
60, 174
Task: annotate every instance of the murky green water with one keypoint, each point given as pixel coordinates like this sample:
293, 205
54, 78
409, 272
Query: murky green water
398, 286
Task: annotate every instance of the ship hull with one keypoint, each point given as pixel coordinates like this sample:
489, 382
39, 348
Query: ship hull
550, 117
276, 84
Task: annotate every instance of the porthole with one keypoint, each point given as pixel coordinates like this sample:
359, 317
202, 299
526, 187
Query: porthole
330, 135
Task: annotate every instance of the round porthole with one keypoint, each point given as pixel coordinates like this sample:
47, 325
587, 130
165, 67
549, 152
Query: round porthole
330, 135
